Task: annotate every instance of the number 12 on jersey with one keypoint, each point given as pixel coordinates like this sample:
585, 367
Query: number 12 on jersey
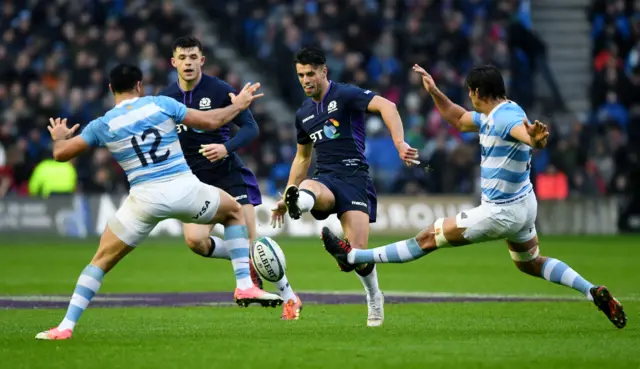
154, 147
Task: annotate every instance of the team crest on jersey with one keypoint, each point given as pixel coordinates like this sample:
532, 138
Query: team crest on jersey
205, 103
333, 106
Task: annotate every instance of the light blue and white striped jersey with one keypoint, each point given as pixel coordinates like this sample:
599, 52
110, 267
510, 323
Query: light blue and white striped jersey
504, 169
141, 135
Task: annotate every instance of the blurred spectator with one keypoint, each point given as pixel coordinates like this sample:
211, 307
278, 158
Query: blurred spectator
54, 57
552, 185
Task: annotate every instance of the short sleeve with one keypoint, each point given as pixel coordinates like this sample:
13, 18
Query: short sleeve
91, 135
477, 118
358, 98
302, 136
506, 120
176, 110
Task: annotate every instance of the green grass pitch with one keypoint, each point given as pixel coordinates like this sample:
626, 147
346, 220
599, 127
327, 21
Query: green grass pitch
535, 334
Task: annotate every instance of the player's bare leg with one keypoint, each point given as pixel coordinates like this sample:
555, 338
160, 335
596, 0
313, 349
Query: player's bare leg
110, 251
356, 229
443, 233
292, 304
199, 239
527, 258
236, 241
311, 195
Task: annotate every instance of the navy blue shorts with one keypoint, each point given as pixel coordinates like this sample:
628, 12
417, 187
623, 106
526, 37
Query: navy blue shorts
351, 193
238, 181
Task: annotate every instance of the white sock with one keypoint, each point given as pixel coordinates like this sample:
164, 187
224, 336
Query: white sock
370, 282
220, 251
286, 292
306, 201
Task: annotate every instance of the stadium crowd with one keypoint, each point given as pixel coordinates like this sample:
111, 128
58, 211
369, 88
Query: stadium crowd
55, 56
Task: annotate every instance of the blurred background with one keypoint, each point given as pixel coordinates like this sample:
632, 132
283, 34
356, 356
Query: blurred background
574, 64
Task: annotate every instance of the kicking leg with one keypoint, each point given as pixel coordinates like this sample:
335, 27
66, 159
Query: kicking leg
110, 251
312, 195
526, 256
356, 229
236, 241
443, 233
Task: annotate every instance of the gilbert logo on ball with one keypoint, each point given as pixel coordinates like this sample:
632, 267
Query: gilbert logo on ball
268, 259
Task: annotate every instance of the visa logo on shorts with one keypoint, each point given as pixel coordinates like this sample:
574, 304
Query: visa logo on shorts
204, 210
359, 203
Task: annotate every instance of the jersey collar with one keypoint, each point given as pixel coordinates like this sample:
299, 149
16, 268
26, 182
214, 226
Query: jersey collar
321, 103
127, 101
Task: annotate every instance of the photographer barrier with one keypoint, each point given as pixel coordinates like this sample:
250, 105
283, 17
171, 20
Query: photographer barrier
84, 216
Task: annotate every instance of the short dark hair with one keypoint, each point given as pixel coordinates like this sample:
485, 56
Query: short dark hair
488, 80
124, 77
186, 42
310, 55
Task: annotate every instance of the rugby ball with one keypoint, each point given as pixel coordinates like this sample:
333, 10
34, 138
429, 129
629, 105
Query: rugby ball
268, 259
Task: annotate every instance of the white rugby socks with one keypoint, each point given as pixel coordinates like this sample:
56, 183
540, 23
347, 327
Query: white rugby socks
369, 278
219, 250
285, 289
306, 200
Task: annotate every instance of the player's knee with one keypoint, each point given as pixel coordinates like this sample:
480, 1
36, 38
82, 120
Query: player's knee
434, 236
529, 261
197, 244
426, 238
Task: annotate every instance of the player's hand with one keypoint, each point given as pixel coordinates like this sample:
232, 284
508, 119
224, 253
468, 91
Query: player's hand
246, 96
59, 130
537, 131
214, 152
277, 214
427, 81
407, 153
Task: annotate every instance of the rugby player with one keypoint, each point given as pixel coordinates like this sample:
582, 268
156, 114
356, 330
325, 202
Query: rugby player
212, 158
509, 206
332, 121
140, 132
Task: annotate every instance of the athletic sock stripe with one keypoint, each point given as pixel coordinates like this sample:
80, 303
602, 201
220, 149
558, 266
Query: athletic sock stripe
363, 256
238, 253
89, 282
557, 272
73, 313
85, 292
414, 248
80, 301
93, 271
568, 277
404, 252
393, 254
547, 267
235, 231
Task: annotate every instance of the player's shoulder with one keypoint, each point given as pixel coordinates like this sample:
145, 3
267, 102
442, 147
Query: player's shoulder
172, 90
508, 111
347, 88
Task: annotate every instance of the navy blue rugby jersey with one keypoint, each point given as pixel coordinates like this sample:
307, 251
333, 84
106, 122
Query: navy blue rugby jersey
336, 127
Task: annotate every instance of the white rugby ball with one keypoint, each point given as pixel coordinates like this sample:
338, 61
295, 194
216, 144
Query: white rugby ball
268, 259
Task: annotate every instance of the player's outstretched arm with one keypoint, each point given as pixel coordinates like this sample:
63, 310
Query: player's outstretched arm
392, 120
455, 114
65, 148
301, 164
216, 118
534, 135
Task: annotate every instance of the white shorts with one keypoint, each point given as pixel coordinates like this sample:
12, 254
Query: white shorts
184, 198
514, 222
